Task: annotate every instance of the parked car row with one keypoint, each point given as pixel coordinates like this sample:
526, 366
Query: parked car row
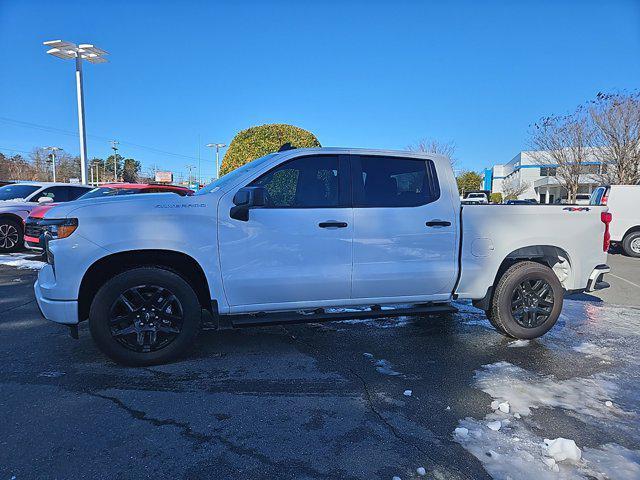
23, 205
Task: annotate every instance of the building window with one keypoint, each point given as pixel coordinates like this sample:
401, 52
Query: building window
548, 171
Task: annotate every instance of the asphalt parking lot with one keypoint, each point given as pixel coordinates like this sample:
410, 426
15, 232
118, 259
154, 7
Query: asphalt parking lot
345, 400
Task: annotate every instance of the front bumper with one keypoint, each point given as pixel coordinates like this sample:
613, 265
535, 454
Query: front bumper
596, 281
59, 311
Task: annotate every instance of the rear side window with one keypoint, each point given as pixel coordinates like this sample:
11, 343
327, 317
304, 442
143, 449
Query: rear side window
77, 192
393, 182
306, 182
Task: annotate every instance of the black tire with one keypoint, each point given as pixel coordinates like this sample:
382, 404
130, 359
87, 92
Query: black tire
516, 310
493, 323
631, 244
11, 236
181, 313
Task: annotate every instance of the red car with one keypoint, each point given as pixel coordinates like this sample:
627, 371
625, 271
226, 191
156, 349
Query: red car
33, 229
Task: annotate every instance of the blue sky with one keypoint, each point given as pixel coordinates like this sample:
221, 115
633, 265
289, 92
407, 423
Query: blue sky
361, 74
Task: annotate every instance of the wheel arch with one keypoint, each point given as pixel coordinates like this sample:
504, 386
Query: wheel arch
630, 230
551, 256
107, 267
13, 216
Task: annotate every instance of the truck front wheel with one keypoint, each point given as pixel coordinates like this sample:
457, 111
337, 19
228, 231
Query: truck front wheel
145, 316
527, 301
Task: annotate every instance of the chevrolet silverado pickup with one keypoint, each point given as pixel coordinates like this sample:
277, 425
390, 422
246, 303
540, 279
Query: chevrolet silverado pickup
308, 235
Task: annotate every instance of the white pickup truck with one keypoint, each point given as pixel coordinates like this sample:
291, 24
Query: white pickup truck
302, 235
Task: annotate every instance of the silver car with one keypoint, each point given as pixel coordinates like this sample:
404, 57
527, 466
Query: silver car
18, 199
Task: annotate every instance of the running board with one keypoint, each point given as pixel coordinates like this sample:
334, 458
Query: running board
320, 315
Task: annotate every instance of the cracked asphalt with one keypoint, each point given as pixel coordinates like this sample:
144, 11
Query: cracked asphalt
319, 401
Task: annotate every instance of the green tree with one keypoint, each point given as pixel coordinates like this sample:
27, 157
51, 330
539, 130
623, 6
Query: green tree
256, 142
130, 170
496, 197
468, 180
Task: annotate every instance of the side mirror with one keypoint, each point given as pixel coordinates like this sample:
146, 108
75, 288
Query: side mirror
45, 200
245, 199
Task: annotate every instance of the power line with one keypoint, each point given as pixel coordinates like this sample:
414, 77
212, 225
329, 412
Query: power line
97, 137
13, 150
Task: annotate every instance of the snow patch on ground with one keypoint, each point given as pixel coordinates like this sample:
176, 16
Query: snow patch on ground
507, 442
21, 261
523, 390
593, 350
519, 343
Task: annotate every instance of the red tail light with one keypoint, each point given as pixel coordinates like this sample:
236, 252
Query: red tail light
606, 219
605, 197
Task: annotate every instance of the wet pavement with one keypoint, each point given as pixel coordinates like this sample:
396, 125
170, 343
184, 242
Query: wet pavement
323, 400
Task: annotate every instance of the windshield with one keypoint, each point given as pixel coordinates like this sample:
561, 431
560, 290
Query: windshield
14, 192
108, 192
231, 176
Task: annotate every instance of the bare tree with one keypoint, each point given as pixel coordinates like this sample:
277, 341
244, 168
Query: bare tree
564, 141
429, 145
616, 118
512, 188
15, 168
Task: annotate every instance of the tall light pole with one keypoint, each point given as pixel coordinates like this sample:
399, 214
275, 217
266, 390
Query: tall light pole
190, 168
53, 151
114, 147
91, 53
217, 146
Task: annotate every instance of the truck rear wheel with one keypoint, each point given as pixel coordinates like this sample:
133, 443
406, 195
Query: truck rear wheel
631, 244
527, 301
145, 316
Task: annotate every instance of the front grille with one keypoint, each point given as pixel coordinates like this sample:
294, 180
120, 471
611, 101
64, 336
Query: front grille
32, 228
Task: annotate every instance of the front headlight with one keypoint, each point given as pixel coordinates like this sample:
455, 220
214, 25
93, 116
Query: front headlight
56, 228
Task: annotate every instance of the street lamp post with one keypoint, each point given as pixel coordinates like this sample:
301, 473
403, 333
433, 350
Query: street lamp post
91, 53
217, 146
53, 151
114, 147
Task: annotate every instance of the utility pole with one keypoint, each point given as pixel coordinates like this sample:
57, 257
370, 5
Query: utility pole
91, 53
53, 151
114, 147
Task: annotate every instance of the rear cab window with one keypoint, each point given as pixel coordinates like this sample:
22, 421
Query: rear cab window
385, 181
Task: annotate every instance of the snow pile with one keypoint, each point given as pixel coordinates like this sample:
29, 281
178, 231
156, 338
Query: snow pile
519, 343
507, 441
562, 449
20, 260
613, 461
407, 393
495, 426
524, 391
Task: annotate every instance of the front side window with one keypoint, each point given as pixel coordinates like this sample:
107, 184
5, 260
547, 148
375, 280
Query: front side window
306, 182
57, 194
394, 182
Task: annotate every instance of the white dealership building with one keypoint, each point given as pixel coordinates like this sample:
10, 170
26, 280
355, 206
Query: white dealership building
537, 177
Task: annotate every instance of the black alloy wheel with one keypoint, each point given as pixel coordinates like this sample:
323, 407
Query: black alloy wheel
532, 303
146, 318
